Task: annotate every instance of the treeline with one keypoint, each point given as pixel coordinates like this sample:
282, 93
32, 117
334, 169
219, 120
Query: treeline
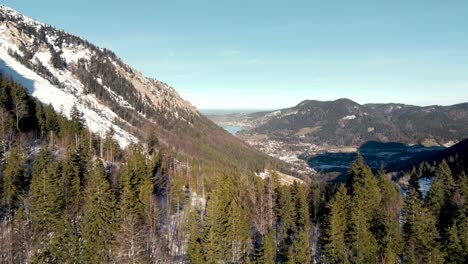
69, 196
264, 223
368, 222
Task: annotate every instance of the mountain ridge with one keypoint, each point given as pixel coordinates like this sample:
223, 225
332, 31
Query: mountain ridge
66, 71
343, 122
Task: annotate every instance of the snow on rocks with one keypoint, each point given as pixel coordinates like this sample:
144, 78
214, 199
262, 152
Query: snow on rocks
349, 117
98, 117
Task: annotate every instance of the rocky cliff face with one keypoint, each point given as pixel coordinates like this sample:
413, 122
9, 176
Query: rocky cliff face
66, 71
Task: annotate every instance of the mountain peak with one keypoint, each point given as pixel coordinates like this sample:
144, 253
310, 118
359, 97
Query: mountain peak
341, 101
68, 72
109, 92
13, 15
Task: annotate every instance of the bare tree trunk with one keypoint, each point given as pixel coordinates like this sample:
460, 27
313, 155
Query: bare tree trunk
6, 241
101, 148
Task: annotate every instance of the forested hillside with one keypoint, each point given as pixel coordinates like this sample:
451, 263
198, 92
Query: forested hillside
70, 196
64, 70
346, 123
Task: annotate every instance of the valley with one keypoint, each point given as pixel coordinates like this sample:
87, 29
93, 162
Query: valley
322, 138
102, 163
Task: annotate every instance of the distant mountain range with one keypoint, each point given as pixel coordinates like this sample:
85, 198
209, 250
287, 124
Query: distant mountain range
65, 71
346, 123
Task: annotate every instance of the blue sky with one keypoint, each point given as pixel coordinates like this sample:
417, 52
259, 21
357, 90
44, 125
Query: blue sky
270, 54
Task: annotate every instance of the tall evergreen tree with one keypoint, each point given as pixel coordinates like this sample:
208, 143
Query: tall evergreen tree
388, 226
334, 244
46, 195
266, 253
284, 211
74, 171
194, 244
301, 247
439, 195
302, 215
14, 178
363, 245
414, 181
98, 221
132, 177
420, 232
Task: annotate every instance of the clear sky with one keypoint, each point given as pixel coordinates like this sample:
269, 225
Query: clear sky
273, 54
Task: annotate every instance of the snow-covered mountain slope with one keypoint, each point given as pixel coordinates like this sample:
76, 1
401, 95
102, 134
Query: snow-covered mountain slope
98, 118
64, 70
53, 66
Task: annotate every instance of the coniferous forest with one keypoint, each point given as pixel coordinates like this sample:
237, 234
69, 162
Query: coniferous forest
71, 196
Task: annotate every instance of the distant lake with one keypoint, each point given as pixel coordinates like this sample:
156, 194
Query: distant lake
232, 129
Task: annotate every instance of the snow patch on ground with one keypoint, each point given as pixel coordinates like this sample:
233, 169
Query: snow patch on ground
98, 117
25, 19
349, 117
5, 40
72, 55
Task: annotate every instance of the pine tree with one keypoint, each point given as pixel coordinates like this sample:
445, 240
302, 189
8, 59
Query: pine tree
63, 246
441, 187
284, 211
77, 120
362, 185
266, 254
414, 181
216, 242
334, 244
388, 227
51, 122
74, 172
439, 195
301, 247
420, 232
98, 222
14, 178
302, 215
211, 245
194, 244
454, 246
132, 177
237, 232
40, 117
46, 195
363, 245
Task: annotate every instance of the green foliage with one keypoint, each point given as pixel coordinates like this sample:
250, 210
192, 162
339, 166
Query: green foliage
98, 221
47, 202
301, 247
388, 226
420, 232
14, 178
132, 177
194, 244
284, 211
73, 173
63, 246
363, 245
266, 253
334, 240
301, 207
414, 181
227, 225
441, 188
